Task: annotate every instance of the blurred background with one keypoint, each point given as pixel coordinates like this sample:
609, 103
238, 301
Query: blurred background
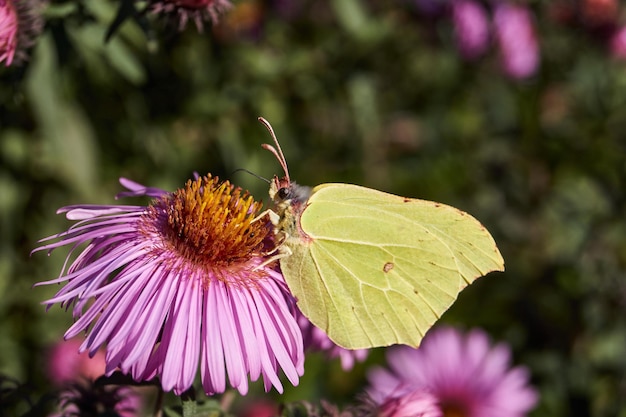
512, 111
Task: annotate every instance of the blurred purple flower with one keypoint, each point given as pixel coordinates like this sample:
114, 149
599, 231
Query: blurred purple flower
260, 407
92, 399
65, 364
182, 11
8, 31
20, 24
618, 43
515, 33
471, 27
317, 341
466, 375
178, 282
418, 403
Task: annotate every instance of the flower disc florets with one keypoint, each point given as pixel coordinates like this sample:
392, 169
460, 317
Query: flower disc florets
210, 225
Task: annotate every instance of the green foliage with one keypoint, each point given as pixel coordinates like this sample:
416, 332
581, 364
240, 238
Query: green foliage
358, 92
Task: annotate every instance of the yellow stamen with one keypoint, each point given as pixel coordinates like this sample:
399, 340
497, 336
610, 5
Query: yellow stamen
210, 225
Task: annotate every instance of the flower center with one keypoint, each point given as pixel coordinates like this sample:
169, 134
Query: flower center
210, 225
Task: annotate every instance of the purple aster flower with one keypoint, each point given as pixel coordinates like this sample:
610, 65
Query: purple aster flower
515, 32
471, 28
180, 282
465, 374
20, 24
182, 11
316, 340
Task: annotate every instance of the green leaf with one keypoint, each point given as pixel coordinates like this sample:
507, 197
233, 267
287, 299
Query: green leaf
69, 138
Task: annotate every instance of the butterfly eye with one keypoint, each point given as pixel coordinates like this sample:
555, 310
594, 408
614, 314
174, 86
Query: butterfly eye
283, 193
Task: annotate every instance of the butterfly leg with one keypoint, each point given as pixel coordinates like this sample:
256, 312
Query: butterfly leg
274, 218
283, 251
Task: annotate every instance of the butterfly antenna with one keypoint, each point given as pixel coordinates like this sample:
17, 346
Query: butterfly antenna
277, 153
251, 173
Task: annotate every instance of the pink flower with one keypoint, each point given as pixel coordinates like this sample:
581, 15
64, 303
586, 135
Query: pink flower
418, 403
259, 408
618, 43
465, 374
471, 28
515, 32
65, 364
182, 11
20, 24
8, 31
180, 283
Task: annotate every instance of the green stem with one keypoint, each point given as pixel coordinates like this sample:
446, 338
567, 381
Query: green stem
158, 404
189, 402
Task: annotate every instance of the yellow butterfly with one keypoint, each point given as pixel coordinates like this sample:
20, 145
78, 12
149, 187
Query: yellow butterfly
370, 268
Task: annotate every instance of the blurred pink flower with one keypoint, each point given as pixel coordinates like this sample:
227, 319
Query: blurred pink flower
317, 341
515, 33
8, 31
618, 43
65, 363
20, 24
259, 408
465, 374
418, 403
471, 27
182, 11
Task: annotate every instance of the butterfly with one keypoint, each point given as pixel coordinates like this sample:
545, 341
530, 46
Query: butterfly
371, 268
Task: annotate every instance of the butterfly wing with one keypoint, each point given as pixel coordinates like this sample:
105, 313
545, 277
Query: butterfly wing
380, 269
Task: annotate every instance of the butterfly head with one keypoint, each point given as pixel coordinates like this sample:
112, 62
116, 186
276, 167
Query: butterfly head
283, 191
289, 198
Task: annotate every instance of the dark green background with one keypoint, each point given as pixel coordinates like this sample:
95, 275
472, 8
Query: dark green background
371, 93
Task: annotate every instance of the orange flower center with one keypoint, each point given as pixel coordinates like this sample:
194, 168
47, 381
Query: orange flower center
210, 224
